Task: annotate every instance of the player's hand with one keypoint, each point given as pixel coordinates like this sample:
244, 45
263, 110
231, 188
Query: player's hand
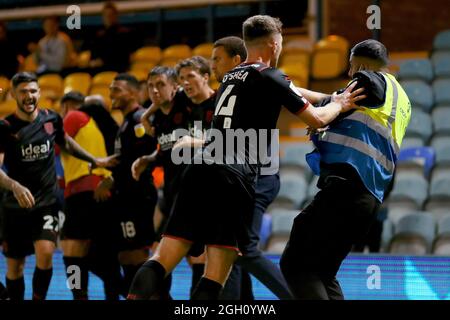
23, 195
347, 99
107, 162
103, 190
139, 166
184, 142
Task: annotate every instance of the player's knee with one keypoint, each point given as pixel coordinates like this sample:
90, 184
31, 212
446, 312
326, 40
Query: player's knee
15, 269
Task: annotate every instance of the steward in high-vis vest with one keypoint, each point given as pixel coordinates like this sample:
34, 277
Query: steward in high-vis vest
355, 157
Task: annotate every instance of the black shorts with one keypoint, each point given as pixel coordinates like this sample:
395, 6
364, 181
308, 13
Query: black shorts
22, 227
212, 208
134, 215
82, 216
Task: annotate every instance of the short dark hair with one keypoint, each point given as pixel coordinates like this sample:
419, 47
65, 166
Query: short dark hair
233, 46
260, 26
22, 77
200, 64
74, 96
170, 73
371, 49
130, 80
53, 18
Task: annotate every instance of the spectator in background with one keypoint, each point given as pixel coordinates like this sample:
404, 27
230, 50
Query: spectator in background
55, 50
8, 54
111, 47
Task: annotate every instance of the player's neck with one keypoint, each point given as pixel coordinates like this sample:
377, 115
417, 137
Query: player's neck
257, 57
29, 117
131, 107
166, 107
202, 96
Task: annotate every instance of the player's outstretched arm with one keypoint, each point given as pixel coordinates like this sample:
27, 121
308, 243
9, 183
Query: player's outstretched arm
141, 163
320, 117
312, 96
73, 148
21, 193
145, 119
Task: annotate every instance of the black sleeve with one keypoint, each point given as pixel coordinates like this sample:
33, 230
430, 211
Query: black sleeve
60, 135
374, 88
290, 97
3, 134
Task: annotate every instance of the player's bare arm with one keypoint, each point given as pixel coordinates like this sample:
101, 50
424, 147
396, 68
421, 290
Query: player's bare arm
74, 149
103, 190
141, 163
312, 96
320, 117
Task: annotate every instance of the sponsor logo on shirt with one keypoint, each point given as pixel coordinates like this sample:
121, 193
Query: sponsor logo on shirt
32, 152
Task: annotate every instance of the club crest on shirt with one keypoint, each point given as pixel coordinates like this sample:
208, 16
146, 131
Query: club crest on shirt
49, 128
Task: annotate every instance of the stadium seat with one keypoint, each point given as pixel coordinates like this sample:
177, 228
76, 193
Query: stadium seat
441, 63
150, 54
29, 64
293, 188
104, 78
177, 52
441, 90
441, 244
387, 234
416, 69
409, 142
298, 129
440, 186
282, 221
52, 84
440, 117
329, 58
397, 58
296, 56
4, 84
420, 94
293, 154
420, 125
7, 107
139, 74
419, 159
298, 73
79, 81
104, 92
442, 40
410, 187
397, 211
204, 50
144, 66
414, 234
441, 145
169, 62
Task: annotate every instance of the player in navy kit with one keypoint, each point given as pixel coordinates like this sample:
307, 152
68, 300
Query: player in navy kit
133, 201
216, 198
27, 140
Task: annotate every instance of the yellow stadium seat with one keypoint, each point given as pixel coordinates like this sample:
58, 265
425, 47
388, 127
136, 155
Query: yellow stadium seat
83, 59
78, 81
52, 84
330, 57
147, 54
104, 78
46, 102
169, 62
140, 74
117, 116
296, 57
145, 66
4, 85
7, 107
298, 73
204, 50
103, 91
177, 52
